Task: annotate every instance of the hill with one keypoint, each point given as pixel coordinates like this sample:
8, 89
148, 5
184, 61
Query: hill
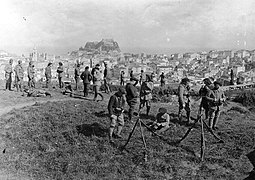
68, 140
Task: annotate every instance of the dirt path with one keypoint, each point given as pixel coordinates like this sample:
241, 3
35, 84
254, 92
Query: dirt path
7, 109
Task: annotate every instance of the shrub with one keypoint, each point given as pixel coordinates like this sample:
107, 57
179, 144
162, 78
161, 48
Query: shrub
245, 97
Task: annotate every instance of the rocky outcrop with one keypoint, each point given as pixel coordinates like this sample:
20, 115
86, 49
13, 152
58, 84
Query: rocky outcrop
104, 45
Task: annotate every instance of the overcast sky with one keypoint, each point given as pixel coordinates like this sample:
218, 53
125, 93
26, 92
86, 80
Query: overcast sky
151, 26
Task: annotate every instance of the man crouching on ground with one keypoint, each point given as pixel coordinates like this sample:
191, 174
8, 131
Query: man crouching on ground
116, 109
162, 121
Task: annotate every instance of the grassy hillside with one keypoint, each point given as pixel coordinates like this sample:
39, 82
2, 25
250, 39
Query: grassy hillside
68, 140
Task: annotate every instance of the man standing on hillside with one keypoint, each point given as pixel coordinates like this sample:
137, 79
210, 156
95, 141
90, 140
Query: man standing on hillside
48, 75
8, 75
86, 77
204, 90
183, 98
162, 80
19, 75
131, 97
106, 78
31, 75
142, 77
77, 75
122, 78
116, 109
60, 71
146, 94
97, 82
215, 99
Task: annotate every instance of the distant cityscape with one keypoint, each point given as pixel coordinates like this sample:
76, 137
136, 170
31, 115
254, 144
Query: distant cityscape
194, 65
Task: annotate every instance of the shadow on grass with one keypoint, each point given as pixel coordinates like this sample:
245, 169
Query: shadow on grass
92, 129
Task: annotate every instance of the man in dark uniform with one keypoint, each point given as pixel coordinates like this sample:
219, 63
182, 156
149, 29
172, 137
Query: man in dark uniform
146, 94
142, 77
19, 75
31, 75
162, 80
77, 75
106, 79
204, 90
86, 77
116, 109
8, 75
183, 98
131, 97
122, 78
48, 75
60, 71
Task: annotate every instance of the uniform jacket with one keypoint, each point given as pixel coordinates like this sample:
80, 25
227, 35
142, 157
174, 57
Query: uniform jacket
19, 72
60, 71
86, 76
97, 77
8, 71
215, 98
204, 90
48, 72
183, 94
77, 72
30, 72
146, 90
162, 78
116, 104
163, 119
132, 92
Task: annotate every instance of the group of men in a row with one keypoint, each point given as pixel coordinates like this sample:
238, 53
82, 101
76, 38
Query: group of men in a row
19, 75
211, 102
212, 99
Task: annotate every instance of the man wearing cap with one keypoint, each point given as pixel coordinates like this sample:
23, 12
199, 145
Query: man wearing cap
48, 75
131, 97
204, 90
146, 94
183, 98
8, 75
19, 75
215, 99
116, 108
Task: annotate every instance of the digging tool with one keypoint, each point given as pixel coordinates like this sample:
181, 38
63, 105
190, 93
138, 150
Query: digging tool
202, 122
